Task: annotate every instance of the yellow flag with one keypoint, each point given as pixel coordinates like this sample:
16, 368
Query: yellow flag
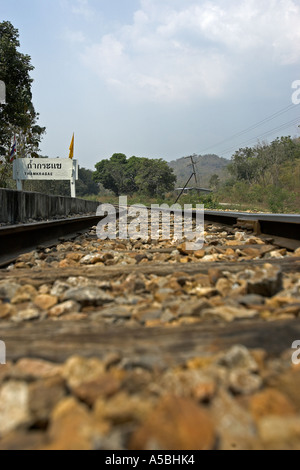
71, 154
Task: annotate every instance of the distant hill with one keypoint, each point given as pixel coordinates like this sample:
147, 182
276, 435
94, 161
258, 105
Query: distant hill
207, 165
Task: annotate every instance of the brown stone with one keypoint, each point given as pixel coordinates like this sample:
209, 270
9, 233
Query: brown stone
67, 307
251, 252
27, 314
92, 259
252, 241
24, 294
22, 266
122, 408
289, 384
162, 294
204, 392
202, 280
175, 424
259, 356
72, 427
192, 308
224, 286
27, 257
45, 302
297, 252
211, 258
207, 292
236, 428
214, 275
238, 357
120, 246
228, 314
171, 285
270, 402
107, 256
183, 383
74, 256
277, 254
266, 281
183, 249
280, 433
181, 277
240, 236
243, 382
199, 362
44, 289
22, 440
36, 369
87, 296
232, 243
65, 263
8, 289
43, 397
104, 386
199, 254
7, 310
79, 370
229, 252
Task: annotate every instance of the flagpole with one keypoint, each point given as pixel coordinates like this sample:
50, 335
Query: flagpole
73, 179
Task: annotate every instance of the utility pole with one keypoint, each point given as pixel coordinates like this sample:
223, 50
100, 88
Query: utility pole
193, 165
194, 169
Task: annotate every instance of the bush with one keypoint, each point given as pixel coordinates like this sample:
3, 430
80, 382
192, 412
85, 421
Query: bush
208, 200
279, 198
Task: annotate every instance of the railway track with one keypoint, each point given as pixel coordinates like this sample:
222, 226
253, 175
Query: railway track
210, 330
19, 239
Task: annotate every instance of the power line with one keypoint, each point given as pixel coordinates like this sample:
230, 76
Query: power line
265, 134
253, 126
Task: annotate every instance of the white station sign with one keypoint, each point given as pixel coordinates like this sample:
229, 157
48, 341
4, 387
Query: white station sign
54, 169
44, 169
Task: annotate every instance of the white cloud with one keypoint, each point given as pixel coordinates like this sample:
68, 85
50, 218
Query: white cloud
74, 37
175, 51
82, 8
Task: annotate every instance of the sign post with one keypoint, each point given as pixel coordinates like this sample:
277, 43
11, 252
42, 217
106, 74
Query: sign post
73, 178
40, 169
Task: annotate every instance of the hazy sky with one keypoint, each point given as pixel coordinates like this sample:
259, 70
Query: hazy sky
159, 78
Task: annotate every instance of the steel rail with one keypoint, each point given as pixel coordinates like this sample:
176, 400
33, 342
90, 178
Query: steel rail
18, 239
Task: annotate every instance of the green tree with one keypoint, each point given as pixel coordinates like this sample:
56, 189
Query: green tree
243, 165
128, 176
214, 181
85, 185
18, 117
112, 173
267, 174
155, 177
